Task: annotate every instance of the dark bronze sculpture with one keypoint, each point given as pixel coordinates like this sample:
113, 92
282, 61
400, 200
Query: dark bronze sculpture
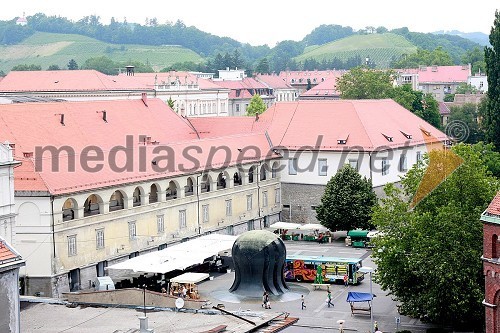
259, 259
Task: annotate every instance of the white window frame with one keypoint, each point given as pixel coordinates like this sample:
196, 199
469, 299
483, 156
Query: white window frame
385, 166
249, 202
229, 207
419, 156
99, 238
292, 166
182, 219
264, 199
160, 223
72, 249
322, 167
132, 230
277, 195
355, 162
402, 163
205, 213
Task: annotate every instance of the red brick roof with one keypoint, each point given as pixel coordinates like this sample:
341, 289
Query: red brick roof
494, 207
365, 123
437, 74
274, 81
7, 253
31, 125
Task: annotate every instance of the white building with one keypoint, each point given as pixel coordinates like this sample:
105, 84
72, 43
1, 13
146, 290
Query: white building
7, 208
479, 81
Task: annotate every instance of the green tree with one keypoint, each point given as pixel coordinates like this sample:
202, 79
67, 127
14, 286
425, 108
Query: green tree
347, 202
463, 123
171, 102
491, 117
25, 67
102, 64
72, 65
429, 257
256, 106
365, 83
490, 157
53, 68
263, 66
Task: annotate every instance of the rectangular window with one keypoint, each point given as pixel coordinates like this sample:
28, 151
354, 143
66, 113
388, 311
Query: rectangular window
354, 164
160, 223
229, 207
419, 156
99, 239
71, 245
250, 225
205, 213
277, 196
249, 202
264, 199
402, 163
322, 167
182, 219
292, 166
132, 231
385, 167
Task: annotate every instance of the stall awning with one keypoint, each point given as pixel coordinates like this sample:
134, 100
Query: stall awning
285, 225
176, 257
313, 226
190, 278
358, 297
358, 233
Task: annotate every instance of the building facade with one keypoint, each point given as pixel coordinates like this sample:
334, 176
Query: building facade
7, 207
491, 265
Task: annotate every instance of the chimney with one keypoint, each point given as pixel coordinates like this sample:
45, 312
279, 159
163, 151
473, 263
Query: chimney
130, 70
144, 97
61, 119
104, 116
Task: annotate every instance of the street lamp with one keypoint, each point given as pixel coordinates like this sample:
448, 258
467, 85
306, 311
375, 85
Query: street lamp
369, 270
144, 287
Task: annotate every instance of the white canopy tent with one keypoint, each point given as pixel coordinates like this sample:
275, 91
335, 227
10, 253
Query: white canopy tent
312, 227
190, 277
180, 256
285, 225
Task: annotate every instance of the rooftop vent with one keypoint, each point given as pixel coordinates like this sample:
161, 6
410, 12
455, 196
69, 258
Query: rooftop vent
342, 139
408, 136
61, 118
388, 137
28, 154
426, 132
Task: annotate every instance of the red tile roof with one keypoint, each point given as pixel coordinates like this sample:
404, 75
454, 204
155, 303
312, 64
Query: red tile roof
326, 88
438, 74
320, 76
494, 207
443, 108
246, 83
31, 125
148, 79
7, 253
78, 80
274, 81
301, 123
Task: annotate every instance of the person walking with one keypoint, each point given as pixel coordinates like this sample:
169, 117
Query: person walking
329, 299
264, 299
346, 280
303, 302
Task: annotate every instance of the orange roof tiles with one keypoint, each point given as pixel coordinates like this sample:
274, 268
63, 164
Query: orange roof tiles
7, 253
126, 154
494, 206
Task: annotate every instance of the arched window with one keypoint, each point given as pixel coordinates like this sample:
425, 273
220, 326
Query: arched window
153, 193
171, 192
250, 174
189, 188
237, 179
221, 181
494, 242
70, 209
205, 183
116, 201
92, 205
137, 197
263, 172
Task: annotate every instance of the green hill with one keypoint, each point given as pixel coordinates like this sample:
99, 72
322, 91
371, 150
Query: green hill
380, 48
47, 49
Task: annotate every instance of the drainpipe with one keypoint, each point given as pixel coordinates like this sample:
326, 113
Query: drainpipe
370, 165
52, 227
258, 195
198, 201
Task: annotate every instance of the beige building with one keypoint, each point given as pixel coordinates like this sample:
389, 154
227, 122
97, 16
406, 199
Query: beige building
105, 181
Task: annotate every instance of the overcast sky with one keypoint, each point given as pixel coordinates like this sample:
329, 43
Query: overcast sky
265, 22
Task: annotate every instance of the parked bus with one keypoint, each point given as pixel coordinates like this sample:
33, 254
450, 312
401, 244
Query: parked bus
303, 268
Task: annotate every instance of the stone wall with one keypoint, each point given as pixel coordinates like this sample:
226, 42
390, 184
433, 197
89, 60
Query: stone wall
130, 297
9, 300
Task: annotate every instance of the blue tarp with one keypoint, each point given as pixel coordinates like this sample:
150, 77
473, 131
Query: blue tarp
358, 297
